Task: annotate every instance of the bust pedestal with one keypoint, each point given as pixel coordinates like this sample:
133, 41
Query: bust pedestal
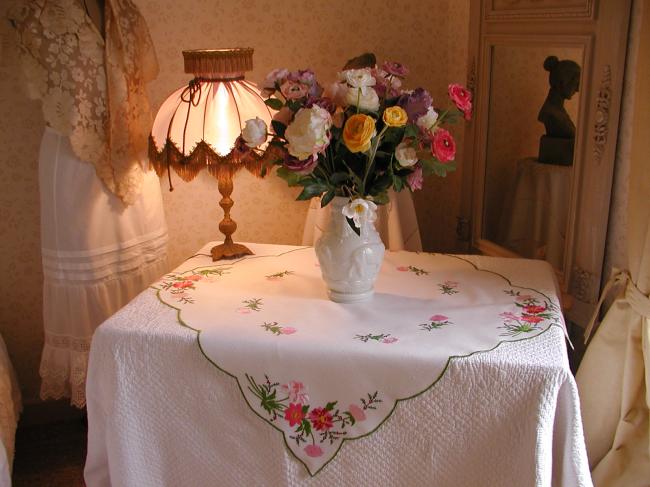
556, 150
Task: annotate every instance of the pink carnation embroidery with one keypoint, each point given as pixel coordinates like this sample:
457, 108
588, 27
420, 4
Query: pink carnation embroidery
313, 451
390, 340
357, 413
288, 330
439, 318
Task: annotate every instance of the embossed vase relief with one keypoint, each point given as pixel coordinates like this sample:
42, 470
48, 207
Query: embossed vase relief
349, 262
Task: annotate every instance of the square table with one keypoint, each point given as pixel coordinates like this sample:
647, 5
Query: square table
160, 414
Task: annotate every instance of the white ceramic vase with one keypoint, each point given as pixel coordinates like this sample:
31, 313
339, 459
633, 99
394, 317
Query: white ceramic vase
349, 262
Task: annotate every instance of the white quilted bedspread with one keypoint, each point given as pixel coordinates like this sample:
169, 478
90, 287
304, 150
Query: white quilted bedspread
161, 415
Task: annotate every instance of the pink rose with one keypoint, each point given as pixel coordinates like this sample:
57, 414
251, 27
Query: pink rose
357, 413
194, 277
396, 69
403, 268
288, 330
451, 283
389, 340
244, 311
415, 178
293, 90
462, 98
443, 146
532, 319
439, 318
313, 451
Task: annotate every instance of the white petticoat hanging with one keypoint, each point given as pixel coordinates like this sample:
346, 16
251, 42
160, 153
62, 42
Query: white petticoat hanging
97, 255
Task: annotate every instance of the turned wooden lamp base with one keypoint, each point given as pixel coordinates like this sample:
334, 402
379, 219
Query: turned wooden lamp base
228, 249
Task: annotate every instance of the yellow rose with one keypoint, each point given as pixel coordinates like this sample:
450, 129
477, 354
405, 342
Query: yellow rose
358, 132
395, 117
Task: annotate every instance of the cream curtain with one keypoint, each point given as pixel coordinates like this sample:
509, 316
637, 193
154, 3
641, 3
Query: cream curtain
614, 377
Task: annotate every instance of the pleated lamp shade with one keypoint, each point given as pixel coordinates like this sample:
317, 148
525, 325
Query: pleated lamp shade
200, 126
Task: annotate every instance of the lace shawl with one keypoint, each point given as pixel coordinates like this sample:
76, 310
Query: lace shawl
92, 90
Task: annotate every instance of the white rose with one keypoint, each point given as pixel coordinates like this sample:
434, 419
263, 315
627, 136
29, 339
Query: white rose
359, 78
406, 155
368, 102
308, 134
426, 121
254, 132
360, 211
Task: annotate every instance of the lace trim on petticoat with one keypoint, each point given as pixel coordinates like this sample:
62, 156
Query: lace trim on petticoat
63, 368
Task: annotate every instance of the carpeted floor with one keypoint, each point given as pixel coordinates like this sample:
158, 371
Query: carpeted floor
50, 455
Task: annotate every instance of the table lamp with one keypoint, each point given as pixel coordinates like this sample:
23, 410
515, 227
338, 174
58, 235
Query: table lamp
200, 126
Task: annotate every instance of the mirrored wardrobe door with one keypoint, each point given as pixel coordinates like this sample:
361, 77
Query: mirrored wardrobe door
539, 181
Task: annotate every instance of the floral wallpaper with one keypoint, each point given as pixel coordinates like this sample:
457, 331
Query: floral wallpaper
429, 36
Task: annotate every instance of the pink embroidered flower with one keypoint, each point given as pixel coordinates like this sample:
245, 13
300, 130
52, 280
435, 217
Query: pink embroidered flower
183, 284
532, 309
194, 277
296, 392
288, 330
439, 318
243, 311
532, 319
508, 315
403, 268
293, 414
357, 413
462, 98
390, 340
415, 179
443, 146
451, 283
320, 419
523, 297
313, 451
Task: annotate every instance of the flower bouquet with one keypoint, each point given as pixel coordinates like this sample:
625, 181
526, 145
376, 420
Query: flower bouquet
349, 145
362, 136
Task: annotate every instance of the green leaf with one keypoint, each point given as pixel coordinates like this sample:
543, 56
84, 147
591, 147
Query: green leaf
274, 103
330, 405
306, 427
398, 183
353, 226
381, 198
278, 127
339, 177
315, 189
294, 105
411, 131
329, 196
292, 178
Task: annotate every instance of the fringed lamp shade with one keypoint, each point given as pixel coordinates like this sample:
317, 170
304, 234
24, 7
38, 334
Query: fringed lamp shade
200, 126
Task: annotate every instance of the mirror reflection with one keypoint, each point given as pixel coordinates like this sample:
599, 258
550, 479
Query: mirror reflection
533, 113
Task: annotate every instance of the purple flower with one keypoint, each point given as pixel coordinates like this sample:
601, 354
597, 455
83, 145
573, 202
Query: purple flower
324, 102
301, 167
396, 69
416, 103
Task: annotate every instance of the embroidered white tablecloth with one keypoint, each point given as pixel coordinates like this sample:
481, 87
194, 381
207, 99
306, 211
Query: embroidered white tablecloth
321, 372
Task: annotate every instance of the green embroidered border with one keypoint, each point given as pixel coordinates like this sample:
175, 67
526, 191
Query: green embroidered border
390, 413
